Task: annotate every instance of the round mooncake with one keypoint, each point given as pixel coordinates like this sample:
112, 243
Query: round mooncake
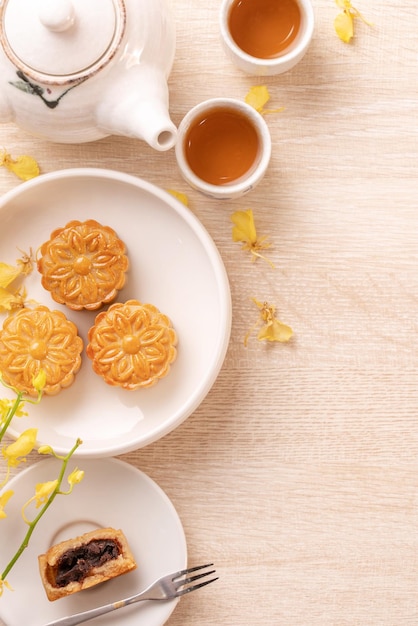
132, 345
39, 339
83, 265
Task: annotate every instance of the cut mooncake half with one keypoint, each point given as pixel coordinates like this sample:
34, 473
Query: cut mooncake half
77, 564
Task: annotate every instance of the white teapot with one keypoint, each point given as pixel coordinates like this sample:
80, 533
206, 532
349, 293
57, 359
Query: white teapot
74, 71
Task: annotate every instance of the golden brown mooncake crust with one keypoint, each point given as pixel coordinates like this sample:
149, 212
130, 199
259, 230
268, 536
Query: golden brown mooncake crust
83, 265
35, 339
49, 563
132, 345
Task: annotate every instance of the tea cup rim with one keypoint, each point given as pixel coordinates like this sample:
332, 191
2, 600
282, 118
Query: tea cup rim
245, 183
269, 66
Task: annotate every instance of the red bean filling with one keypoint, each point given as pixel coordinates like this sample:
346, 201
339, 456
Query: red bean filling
75, 564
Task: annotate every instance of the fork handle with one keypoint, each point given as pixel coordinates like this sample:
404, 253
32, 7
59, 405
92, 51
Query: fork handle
84, 616
78, 618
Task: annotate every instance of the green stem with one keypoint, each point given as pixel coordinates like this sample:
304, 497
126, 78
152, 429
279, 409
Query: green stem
11, 414
47, 504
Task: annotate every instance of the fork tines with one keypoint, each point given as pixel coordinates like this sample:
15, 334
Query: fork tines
182, 578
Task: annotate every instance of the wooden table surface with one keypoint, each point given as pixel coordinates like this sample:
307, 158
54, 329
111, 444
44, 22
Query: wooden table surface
298, 474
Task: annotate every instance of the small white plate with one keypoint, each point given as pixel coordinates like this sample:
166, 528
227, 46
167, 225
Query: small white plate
174, 264
113, 493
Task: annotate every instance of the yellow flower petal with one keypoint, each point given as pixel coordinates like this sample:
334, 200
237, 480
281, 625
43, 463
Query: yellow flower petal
344, 22
272, 329
75, 477
275, 331
25, 263
244, 229
180, 196
6, 405
9, 301
25, 167
8, 273
24, 445
43, 491
39, 381
344, 26
258, 97
45, 450
4, 498
4, 585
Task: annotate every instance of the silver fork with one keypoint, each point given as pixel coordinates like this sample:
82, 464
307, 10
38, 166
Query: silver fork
165, 588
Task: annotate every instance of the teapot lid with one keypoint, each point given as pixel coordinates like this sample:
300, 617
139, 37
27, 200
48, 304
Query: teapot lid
60, 41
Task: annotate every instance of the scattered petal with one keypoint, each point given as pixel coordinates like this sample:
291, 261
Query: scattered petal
25, 167
180, 196
344, 22
257, 97
8, 273
25, 263
244, 230
344, 26
10, 301
275, 331
272, 329
13, 298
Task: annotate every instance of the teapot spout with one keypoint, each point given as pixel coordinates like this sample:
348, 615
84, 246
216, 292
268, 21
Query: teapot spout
137, 106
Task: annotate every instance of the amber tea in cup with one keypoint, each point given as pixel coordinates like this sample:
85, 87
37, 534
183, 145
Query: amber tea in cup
264, 28
223, 147
266, 37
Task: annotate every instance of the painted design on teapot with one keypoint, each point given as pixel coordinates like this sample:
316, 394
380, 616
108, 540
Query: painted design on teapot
24, 84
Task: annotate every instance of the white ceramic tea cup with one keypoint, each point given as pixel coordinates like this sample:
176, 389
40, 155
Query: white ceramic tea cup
285, 61
252, 176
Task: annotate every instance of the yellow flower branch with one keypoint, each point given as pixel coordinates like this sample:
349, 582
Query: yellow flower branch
8, 409
45, 494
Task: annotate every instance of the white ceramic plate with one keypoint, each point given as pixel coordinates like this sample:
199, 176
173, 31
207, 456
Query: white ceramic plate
175, 265
114, 494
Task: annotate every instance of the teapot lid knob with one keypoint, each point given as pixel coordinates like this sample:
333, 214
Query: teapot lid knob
58, 42
57, 15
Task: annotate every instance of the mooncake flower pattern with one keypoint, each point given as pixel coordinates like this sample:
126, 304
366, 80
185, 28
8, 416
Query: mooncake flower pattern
83, 265
132, 345
39, 339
